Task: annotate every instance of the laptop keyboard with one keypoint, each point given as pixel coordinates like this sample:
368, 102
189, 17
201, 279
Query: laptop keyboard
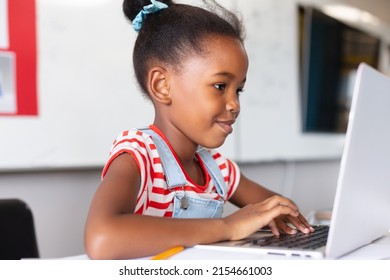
312, 240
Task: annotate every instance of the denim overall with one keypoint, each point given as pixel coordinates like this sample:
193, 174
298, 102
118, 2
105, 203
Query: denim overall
187, 206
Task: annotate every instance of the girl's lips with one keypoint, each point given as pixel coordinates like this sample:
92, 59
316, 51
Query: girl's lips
226, 126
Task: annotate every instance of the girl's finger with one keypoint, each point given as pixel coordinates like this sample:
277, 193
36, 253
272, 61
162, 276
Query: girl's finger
277, 200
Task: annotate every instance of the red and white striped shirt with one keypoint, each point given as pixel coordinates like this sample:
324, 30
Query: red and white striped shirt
154, 198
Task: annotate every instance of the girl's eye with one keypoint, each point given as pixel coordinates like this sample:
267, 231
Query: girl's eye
239, 91
220, 86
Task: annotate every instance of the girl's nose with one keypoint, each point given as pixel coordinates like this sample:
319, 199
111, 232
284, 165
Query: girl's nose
233, 105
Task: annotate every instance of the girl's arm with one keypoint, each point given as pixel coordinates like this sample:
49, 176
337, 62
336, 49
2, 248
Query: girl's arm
249, 192
113, 232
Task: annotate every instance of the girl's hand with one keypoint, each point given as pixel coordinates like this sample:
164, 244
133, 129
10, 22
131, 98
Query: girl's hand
273, 212
290, 225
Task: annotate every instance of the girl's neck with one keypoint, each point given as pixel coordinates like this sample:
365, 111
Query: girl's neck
185, 151
182, 146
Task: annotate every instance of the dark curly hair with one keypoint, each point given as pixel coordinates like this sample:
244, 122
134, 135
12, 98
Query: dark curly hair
176, 32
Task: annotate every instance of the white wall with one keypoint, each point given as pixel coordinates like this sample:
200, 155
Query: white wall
311, 184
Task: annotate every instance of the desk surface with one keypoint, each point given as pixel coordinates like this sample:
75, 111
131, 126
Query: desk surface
378, 250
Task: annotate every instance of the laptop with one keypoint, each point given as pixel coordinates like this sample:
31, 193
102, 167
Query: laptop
361, 209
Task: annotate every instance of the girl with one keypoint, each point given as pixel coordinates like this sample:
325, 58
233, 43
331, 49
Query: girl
165, 185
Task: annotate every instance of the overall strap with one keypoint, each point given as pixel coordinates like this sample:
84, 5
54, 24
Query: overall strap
173, 172
215, 172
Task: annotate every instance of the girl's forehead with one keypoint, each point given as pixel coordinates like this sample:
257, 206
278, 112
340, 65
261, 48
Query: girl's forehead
218, 46
219, 55
211, 41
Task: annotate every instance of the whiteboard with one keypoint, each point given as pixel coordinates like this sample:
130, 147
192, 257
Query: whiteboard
87, 93
86, 88
270, 120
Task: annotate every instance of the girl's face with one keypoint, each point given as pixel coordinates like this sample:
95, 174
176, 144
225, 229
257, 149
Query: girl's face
205, 92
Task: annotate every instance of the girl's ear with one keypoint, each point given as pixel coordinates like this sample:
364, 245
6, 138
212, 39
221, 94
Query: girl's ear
158, 85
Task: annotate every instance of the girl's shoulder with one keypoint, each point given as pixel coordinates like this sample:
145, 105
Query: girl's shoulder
132, 140
134, 135
135, 142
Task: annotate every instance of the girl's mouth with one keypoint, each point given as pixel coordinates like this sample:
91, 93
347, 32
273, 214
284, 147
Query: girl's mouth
227, 126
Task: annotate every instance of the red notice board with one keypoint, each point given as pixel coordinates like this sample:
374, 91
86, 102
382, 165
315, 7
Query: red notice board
18, 58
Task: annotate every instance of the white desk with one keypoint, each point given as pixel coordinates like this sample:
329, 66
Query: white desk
378, 250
